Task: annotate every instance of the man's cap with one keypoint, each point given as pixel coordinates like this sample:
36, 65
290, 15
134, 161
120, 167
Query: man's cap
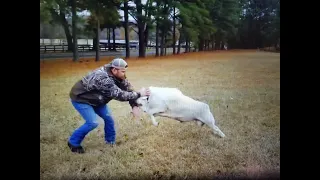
119, 63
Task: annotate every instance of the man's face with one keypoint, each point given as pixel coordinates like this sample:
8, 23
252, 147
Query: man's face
119, 73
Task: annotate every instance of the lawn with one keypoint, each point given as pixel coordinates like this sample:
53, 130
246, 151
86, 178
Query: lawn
242, 89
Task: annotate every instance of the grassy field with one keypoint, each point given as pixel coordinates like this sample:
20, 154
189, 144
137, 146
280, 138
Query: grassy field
242, 89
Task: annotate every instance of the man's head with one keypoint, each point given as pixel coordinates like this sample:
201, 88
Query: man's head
118, 68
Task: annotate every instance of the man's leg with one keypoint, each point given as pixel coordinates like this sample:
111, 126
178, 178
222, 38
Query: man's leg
109, 129
88, 114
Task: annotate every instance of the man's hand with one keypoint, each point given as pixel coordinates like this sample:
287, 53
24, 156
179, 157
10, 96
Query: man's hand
144, 92
136, 112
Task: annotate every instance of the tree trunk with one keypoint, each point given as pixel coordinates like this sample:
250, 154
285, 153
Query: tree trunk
174, 31
179, 45
126, 28
94, 41
165, 45
212, 43
62, 19
146, 30
98, 41
157, 38
201, 44
114, 39
74, 32
216, 42
180, 38
141, 41
186, 47
140, 28
222, 45
146, 34
162, 44
109, 38
67, 31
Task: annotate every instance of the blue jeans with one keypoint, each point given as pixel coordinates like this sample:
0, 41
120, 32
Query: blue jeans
89, 113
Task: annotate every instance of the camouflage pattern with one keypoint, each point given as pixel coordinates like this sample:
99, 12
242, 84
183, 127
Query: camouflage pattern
100, 86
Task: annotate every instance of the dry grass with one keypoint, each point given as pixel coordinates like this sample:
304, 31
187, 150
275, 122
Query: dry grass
241, 87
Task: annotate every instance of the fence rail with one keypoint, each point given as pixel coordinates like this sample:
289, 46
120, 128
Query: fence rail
86, 47
81, 48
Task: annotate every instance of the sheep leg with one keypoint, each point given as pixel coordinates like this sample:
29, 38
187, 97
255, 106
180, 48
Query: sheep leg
153, 119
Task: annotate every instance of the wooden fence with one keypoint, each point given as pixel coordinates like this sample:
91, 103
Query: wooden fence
81, 48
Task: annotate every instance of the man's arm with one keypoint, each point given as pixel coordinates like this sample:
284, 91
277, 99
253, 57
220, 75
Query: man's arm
109, 89
128, 87
134, 106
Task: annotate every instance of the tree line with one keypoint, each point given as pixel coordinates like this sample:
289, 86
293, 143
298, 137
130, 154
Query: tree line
206, 24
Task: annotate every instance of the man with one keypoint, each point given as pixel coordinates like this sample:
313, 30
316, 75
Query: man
90, 96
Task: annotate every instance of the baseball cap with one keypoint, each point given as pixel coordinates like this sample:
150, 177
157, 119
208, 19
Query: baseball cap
119, 63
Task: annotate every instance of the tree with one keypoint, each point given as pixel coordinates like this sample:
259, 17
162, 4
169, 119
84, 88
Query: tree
45, 16
59, 10
190, 20
74, 30
103, 15
258, 24
144, 22
225, 16
126, 27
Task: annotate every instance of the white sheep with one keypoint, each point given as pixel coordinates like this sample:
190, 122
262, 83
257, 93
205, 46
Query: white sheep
172, 103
